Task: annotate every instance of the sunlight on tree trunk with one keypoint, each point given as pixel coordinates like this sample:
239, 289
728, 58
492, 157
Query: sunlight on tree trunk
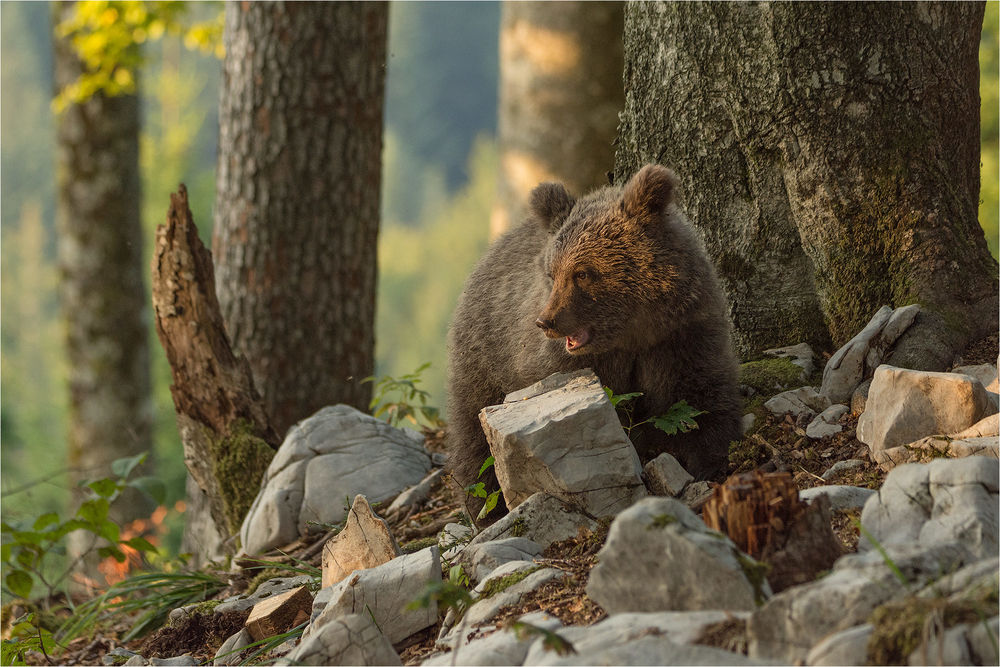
830, 156
560, 94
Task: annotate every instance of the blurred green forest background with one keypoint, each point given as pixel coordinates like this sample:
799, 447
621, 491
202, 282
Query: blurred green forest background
439, 179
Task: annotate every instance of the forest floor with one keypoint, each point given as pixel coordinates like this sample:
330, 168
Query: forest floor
775, 444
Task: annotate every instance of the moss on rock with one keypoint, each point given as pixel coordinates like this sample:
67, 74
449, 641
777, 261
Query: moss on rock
771, 376
239, 462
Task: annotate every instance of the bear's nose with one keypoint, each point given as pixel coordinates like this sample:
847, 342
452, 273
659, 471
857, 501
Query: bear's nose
544, 324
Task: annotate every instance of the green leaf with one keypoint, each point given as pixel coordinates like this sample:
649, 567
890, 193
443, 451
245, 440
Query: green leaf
679, 418
105, 488
94, 511
113, 552
19, 582
46, 520
142, 545
477, 490
124, 466
26, 557
6, 551
491, 502
487, 464
109, 530
152, 487
620, 398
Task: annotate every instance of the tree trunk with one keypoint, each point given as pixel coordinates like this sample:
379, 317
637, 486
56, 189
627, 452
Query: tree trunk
101, 288
228, 439
297, 200
829, 153
560, 94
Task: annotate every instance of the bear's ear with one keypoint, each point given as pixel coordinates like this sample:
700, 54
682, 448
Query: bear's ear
649, 192
551, 204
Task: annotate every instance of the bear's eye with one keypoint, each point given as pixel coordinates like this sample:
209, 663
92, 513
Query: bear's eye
581, 275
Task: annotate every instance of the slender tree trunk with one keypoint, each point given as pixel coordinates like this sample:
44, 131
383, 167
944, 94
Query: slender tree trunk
101, 283
829, 154
297, 200
560, 94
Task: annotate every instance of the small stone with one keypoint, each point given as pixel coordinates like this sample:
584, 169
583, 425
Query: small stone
801, 355
452, 540
906, 405
229, 652
696, 494
279, 614
747, 422
859, 398
566, 441
841, 497
665, 476
416, 495
827, 423
542, 518
137, 660
186, 660
804, 400
117, 656
483, 558
364, 542
842, 466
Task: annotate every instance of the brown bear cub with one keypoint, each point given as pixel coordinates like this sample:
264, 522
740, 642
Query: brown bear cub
617, 281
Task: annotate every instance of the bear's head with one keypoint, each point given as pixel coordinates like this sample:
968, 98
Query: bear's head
615, 260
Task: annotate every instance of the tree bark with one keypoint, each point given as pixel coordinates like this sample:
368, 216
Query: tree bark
829, 154
297, 198
560, 94
101, 289
227, 436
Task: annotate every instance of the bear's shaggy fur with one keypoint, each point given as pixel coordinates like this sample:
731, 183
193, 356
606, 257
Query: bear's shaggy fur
616, 281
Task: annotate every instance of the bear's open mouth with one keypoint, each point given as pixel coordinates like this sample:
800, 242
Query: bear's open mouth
576, 341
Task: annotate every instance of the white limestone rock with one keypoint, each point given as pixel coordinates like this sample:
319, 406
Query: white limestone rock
659, 556
567, 441
480, 559
857, 359
665, 476
804, 400
364, 542
542, 518
847, 647
904, 406
336, 453
801, 355
842, 497
352, 639
827, 422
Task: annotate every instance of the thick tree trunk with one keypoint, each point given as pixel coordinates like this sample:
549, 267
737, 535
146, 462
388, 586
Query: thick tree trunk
830, 155
101, 289
297, 199
560, 94
228, 440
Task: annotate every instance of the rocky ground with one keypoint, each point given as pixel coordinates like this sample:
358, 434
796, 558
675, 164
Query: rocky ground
548, 575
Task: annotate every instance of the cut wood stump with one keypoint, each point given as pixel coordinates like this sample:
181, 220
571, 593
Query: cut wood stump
279, 614
227, 436
764, 516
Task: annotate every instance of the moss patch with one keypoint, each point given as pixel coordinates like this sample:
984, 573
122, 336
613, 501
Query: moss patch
500, 584
239, 461
771, 376
417, 545
899, 625
755, 572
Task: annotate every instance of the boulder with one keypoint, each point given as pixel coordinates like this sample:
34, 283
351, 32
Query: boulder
659, 556
827, 422
847, 647
566, 440
364, 542
792, 622
804, 400
934, 447
985, 373
385, 592
665, 476
499, 648
352, 639
696, 494
857, 359
940, 502
904, 406
336, 453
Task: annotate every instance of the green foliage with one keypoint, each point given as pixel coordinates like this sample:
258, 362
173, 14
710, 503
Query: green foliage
150, 595
769, 376
399, 400
26, 634
447, 594
26, 549
679, 417
478, 490
550, 640
106, 35
989, 86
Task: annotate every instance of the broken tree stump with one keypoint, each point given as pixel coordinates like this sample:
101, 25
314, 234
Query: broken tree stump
227, 436
764, 516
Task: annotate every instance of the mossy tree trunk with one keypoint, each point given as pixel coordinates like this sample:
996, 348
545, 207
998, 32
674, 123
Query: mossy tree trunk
227, 436
297, 198
829, 153
101, 286
560, 94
